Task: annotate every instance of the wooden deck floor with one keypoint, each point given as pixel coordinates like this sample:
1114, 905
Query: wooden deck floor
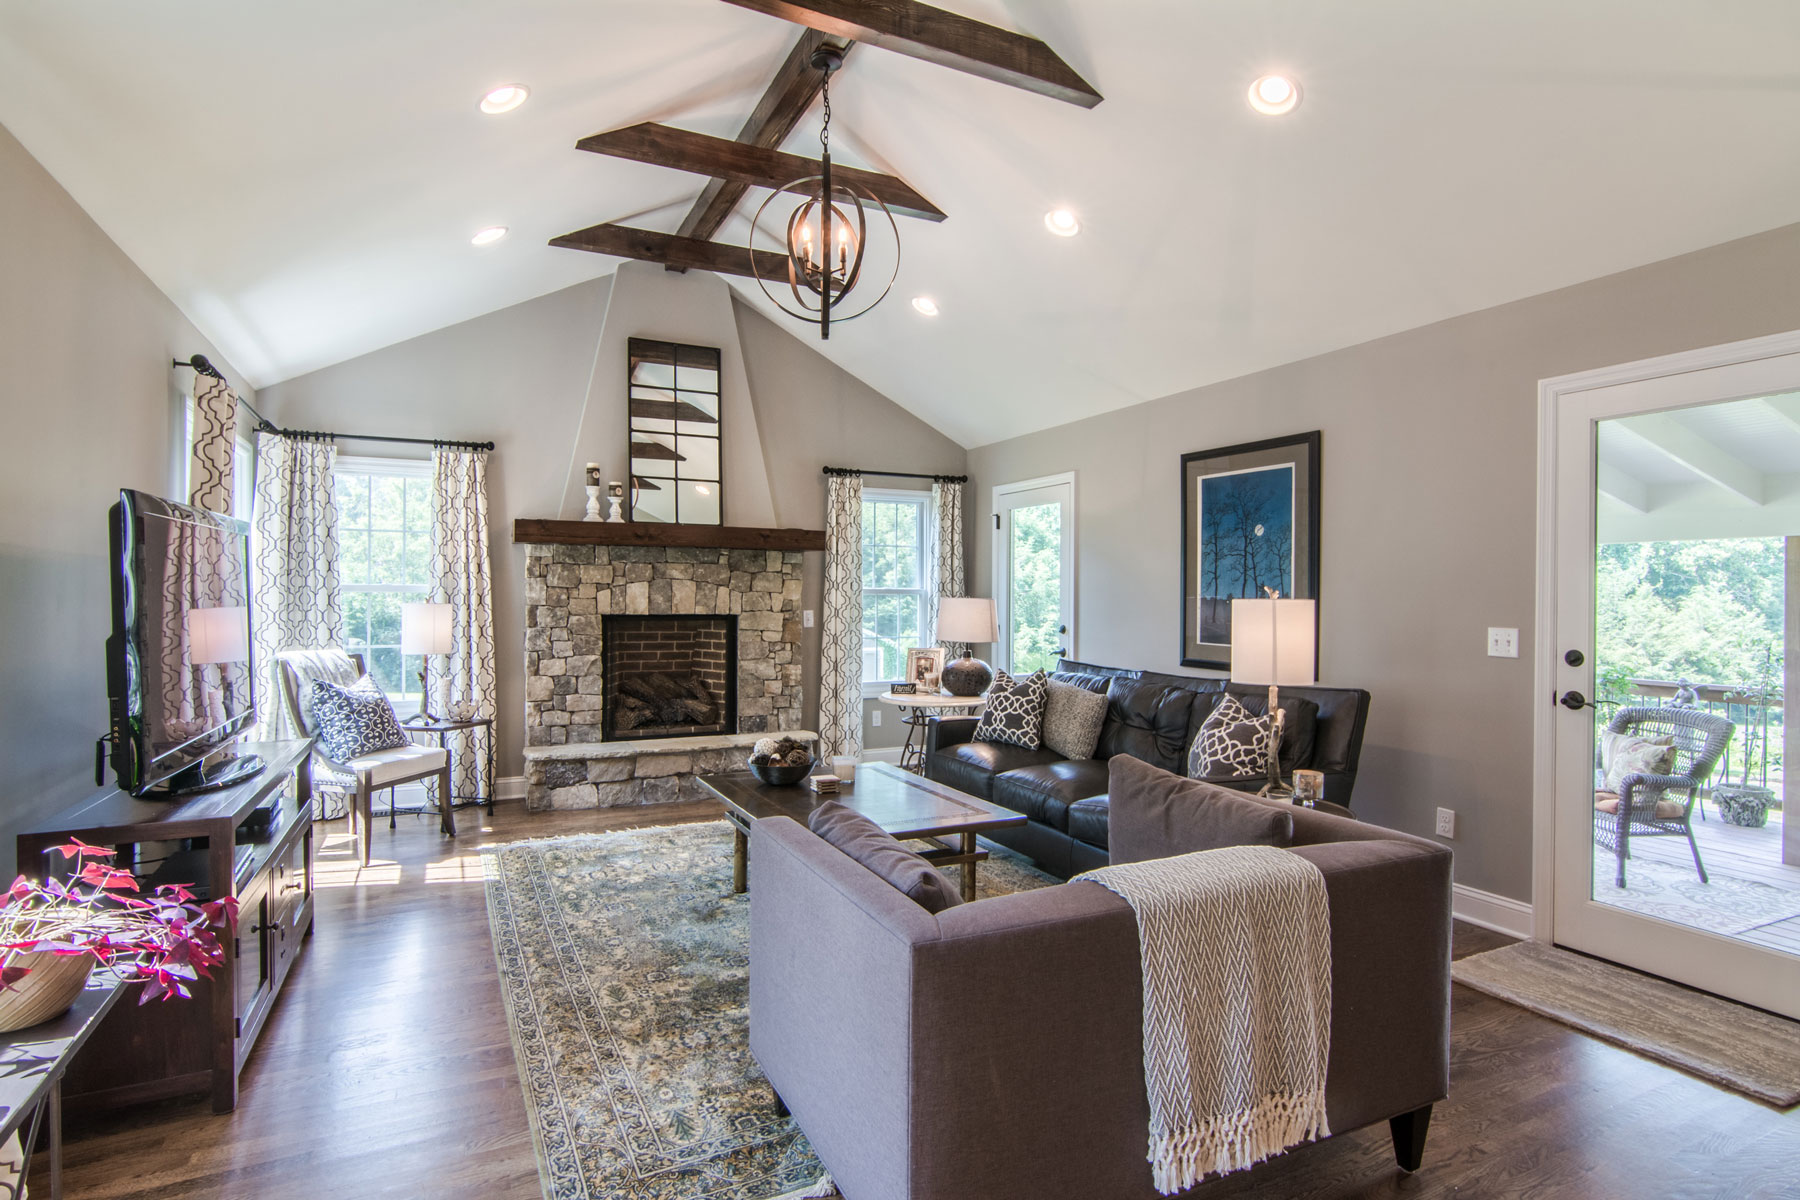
386, 1070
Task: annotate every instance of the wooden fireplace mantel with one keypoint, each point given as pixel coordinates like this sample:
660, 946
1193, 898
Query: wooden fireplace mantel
527, 531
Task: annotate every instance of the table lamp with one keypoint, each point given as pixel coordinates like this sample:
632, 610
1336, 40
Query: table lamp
218, 636
425, 630
966, 619
1274, 642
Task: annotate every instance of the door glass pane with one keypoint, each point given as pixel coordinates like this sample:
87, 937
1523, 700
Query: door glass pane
1694, 552
1034, 599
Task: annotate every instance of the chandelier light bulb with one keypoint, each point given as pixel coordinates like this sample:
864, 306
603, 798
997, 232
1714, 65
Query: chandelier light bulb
1274, 95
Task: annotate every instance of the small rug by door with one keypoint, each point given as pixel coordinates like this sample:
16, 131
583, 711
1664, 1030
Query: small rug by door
1742, 1048
624, 963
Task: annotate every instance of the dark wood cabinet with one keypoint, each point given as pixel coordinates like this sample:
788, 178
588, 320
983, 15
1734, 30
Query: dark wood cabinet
221, 844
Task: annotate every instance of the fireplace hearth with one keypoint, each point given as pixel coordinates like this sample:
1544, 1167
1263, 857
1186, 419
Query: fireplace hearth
668, 676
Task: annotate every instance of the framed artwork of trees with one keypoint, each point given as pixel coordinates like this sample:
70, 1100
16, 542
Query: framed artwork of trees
1249, 521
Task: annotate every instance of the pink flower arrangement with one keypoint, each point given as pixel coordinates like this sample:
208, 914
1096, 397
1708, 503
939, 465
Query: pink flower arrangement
164, 940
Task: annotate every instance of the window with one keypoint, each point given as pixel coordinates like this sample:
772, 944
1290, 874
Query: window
384, 560
893, 553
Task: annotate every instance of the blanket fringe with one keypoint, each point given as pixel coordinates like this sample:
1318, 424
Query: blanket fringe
1235, 1141
818, 1191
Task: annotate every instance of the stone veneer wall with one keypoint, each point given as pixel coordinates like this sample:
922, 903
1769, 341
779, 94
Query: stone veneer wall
569, 588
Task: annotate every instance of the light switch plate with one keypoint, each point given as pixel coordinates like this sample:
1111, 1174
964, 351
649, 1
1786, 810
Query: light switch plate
875, 716
806, 618
1503, 643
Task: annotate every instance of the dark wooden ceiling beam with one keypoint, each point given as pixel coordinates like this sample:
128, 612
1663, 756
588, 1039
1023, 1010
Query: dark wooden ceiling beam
671, 249
907, 27
753, 166
788, 96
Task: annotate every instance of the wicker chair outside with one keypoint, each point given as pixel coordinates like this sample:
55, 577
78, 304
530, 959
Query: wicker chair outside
1700, 741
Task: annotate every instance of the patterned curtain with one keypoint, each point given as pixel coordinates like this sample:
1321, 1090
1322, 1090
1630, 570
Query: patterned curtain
294, 602
215, 440
840, 671
947, 559
460, 578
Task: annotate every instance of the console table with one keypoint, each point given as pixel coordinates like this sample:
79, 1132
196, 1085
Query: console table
220, 844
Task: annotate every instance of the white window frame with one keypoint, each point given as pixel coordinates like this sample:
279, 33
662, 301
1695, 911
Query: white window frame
408, 468
922, 501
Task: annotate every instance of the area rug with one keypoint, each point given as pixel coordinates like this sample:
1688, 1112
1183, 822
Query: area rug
1742, 1048
624, 965
1724, 905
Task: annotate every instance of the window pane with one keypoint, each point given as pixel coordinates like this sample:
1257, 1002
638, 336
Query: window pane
387, 502
384, 665
384, 618
353, 501
1035, 603
418, 505
418, 559
353, 557
386, 558
356, 620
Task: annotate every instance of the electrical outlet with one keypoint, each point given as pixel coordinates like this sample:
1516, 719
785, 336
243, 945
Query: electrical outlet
806, 619
1503, 643
875, 717
1446, 822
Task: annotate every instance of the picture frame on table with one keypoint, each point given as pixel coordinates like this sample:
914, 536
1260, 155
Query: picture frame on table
925, 667
1249, 521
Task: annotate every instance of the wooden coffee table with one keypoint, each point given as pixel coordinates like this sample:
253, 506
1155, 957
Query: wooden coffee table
903, 804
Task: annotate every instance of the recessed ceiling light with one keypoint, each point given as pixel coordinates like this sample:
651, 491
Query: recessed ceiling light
505, 98
1274, 95
1062, 222
926, 305
489, 236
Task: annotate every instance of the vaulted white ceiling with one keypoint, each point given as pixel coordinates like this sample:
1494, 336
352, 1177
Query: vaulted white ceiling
303, 179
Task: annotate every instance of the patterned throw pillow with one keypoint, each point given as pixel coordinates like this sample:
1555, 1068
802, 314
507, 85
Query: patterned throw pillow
1230, 744
1015, 711
1625, 754
1072, 719
355, 720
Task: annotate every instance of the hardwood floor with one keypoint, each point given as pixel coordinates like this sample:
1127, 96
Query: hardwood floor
387, 1071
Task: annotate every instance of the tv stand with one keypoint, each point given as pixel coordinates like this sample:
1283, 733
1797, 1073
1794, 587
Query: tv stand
250, 839
198, 779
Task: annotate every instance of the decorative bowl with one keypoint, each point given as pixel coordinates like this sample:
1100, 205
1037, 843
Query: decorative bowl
462, 710
781, 775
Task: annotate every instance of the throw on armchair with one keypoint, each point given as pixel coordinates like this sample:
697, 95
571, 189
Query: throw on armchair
995, 1049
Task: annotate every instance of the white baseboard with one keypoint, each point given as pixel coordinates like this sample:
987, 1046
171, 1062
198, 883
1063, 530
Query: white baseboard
1502, 914
887, 754
510, 787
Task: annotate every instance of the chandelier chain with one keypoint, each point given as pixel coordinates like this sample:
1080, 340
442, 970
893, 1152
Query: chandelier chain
825, 129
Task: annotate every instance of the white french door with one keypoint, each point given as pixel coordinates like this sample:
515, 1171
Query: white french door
1034, 572
1634, 450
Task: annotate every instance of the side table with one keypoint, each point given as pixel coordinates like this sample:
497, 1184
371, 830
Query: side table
32, 1062
443, 727
916, 711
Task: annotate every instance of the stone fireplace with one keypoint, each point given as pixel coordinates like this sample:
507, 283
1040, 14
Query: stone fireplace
727, 620
666, 675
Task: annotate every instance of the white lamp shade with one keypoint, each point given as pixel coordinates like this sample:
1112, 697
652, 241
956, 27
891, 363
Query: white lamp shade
1274, 642
218, 635
966, 619
425, 629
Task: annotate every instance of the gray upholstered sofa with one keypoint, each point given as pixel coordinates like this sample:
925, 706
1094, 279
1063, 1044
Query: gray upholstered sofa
1152, 717
995, 1050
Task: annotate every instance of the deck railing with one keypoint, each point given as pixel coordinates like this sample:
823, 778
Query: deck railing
1755, 753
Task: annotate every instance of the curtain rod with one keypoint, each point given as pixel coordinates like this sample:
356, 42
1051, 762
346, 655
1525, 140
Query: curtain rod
897, 474
202, 365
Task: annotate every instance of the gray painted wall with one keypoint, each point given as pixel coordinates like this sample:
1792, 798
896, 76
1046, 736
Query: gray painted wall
1429, 485
93, 406
520, 377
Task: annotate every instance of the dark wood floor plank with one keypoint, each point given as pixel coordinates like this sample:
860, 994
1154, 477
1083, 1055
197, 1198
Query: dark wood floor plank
387, 1071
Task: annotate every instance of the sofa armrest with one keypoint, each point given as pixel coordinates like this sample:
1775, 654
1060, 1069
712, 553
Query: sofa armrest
944, 732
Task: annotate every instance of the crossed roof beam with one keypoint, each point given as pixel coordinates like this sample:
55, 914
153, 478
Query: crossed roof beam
754, 158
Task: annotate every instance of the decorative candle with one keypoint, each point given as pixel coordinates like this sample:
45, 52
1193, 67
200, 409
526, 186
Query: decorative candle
593, 474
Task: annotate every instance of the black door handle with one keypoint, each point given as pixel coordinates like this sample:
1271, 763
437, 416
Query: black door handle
1574, 658
1575, 701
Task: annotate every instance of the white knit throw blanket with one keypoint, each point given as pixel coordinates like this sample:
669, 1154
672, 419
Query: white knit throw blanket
1236, 949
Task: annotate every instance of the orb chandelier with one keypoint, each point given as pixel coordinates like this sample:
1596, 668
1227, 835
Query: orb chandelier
827, 234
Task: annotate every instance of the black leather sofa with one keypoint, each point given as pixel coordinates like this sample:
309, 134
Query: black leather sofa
1150, 716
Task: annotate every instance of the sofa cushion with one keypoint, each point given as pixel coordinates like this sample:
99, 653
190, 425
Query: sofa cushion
1072, 718
1044, 792
1231, 744
1088, 820
1147, 720
1299, 729
1156, 814
864, 841
971, 766
1085, 681
1015, 711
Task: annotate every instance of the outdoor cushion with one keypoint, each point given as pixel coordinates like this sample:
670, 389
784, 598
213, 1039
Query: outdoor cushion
1045, 791
865, 842
1623, 754
1666, 810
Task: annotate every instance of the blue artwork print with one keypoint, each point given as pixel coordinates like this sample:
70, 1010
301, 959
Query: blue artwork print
1246, 541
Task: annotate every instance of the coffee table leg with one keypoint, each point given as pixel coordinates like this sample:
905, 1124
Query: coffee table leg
968, 847
740, 861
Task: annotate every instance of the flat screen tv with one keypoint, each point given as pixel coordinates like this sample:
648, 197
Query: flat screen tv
179, 664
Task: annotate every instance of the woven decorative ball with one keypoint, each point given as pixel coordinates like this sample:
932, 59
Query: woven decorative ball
55, 980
